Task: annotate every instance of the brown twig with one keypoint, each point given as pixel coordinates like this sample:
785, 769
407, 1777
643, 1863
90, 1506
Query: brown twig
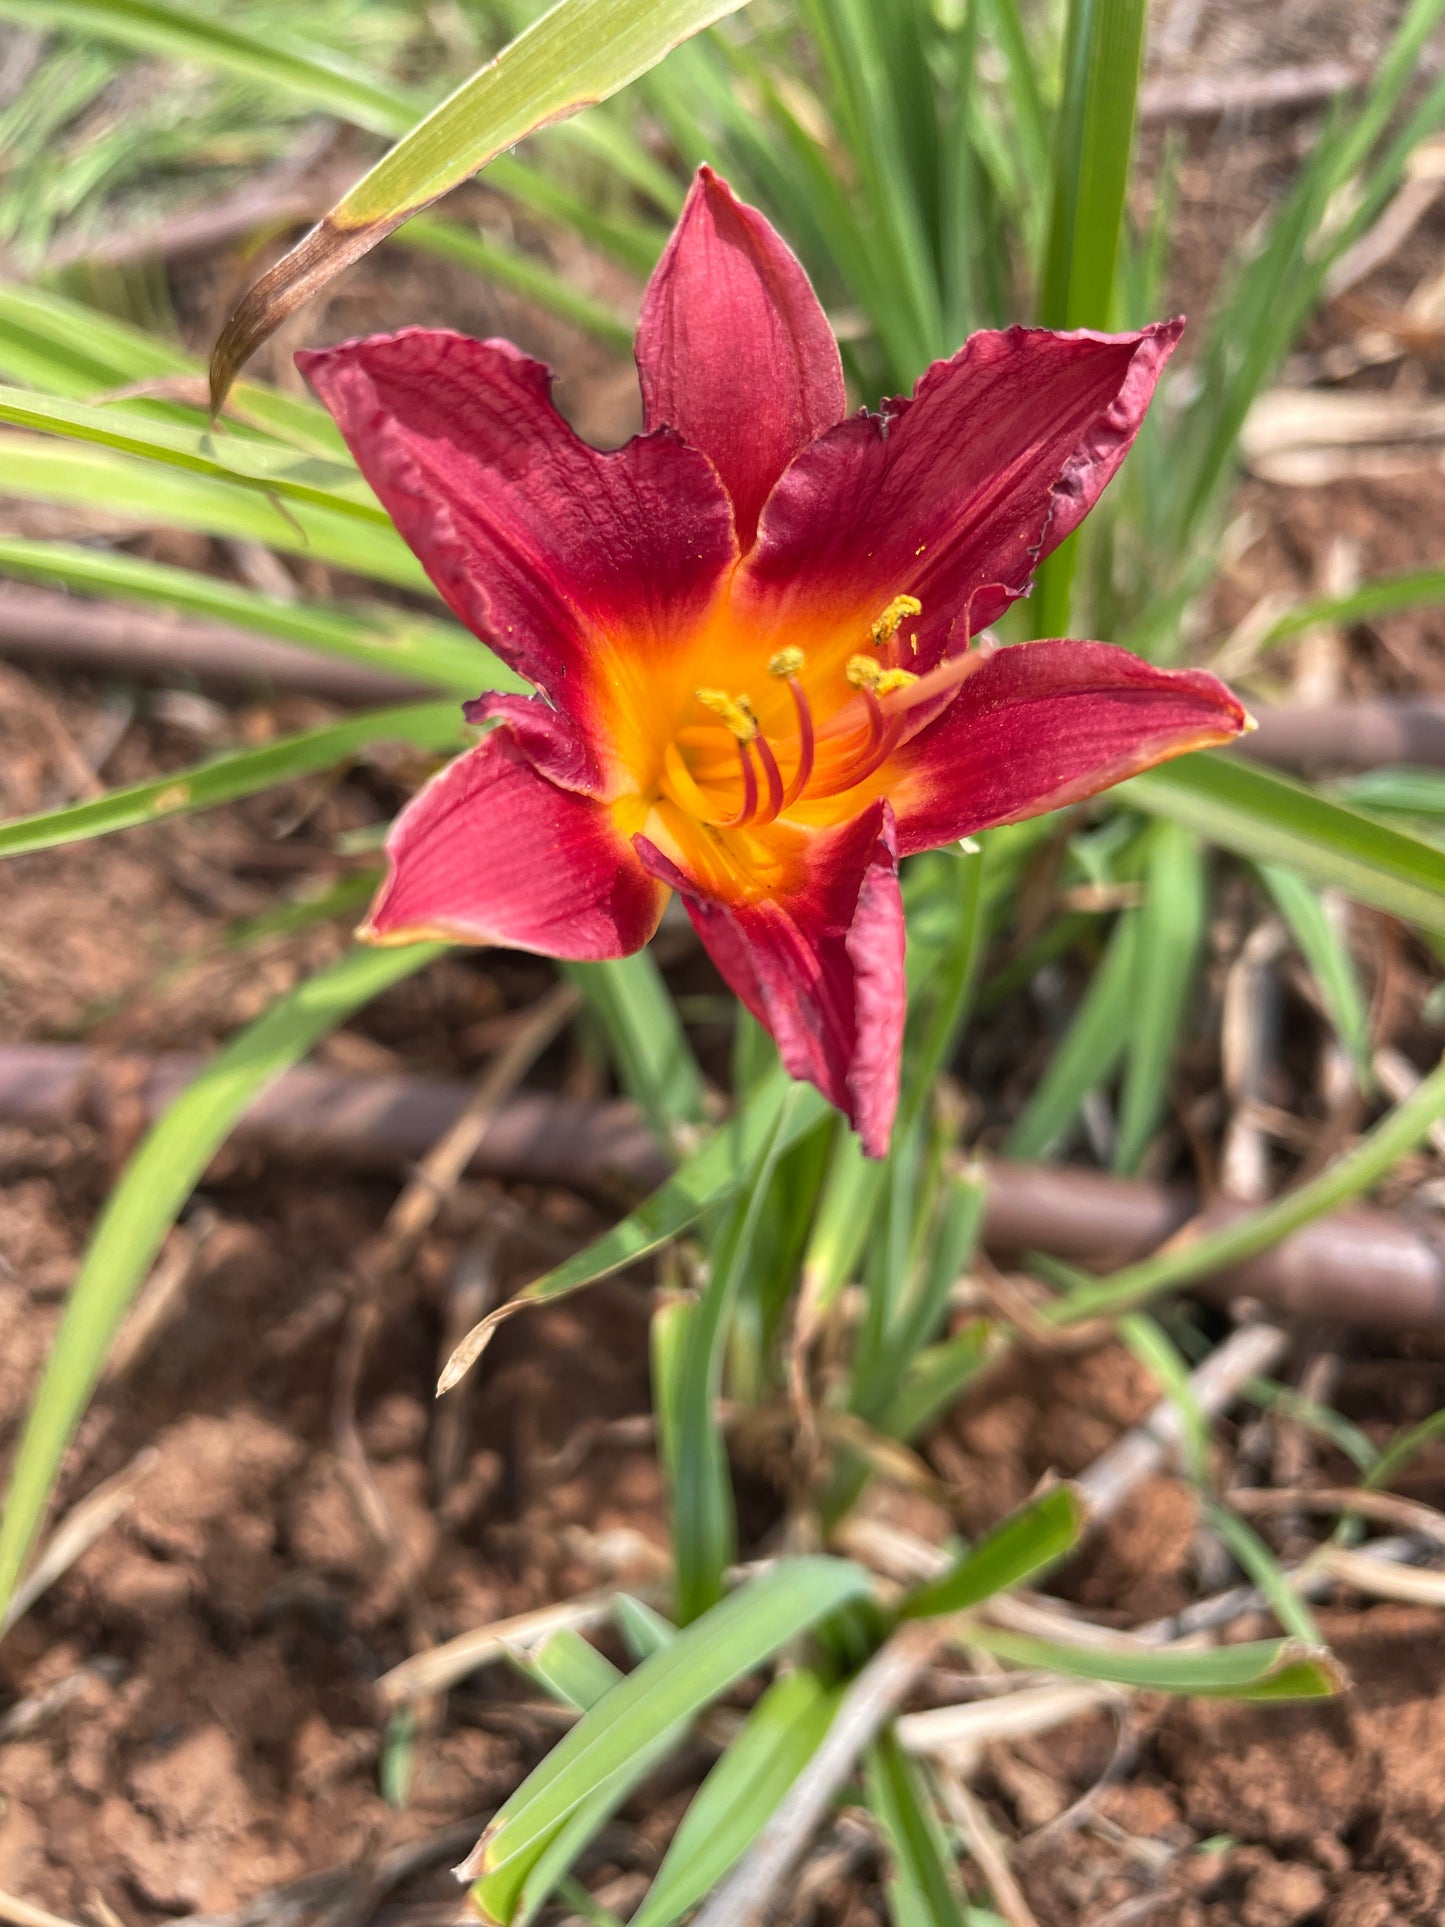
748, 1895
77, 1532
49, 627
346, 1892
1241, 91
1364, 1266
21, 1913
1384, 1508
293, 195
1351, 736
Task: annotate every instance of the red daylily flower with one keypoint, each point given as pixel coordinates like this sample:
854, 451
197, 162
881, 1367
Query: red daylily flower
750, 629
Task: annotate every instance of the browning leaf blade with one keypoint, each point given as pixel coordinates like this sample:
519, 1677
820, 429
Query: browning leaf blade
576, 54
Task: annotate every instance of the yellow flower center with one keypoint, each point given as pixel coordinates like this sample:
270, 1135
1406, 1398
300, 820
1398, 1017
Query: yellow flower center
739, 759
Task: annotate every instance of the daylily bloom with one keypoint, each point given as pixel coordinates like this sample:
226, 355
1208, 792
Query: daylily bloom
750, 632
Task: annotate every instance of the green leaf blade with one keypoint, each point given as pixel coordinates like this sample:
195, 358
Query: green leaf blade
1022, 1545
432, 726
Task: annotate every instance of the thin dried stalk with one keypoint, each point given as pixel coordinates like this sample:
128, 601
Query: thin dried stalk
21, 1913
1368, 1573
442, 1666
748, 1894
1246, 1354
1384, 1508
77, 1532
987, 1848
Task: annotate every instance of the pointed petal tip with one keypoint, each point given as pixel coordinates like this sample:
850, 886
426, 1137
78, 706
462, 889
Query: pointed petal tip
733, 349
377, 937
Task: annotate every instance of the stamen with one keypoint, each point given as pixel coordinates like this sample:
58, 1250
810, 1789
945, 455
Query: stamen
750, 792
683, 788
787, 662
892, 618
894, 679
772, 776
804, 767
734, 712
948, 674
866, 677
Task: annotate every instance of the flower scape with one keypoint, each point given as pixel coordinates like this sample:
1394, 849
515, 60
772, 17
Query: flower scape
754, 633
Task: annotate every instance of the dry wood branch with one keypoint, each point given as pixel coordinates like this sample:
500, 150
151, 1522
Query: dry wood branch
1243, 90
341, 1894
442, 1666
961, 1732
748, 1895
1369, 1267
1378, 1578
1351, 736
47, 627
434, 1179
52, 629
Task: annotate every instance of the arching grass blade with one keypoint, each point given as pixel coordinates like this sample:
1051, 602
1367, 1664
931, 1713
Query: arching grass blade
577, 53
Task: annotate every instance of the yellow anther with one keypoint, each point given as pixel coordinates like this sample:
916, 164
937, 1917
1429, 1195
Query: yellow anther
733, 711
787, 662
892, 679
898, 610
862, 672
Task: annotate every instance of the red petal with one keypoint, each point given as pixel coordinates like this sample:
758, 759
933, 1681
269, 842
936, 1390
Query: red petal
1042, 724
547, 739
537, 542
956, 495
492, 852
732, 348
822, 965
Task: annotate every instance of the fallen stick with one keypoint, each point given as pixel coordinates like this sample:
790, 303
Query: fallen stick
1361, 1266
1172, 97
1352, 736
51, 629
293, 195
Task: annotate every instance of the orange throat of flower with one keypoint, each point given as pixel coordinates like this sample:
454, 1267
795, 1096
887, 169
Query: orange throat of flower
732, 767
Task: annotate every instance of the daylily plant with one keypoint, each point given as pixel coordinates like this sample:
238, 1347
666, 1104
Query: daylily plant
754, 633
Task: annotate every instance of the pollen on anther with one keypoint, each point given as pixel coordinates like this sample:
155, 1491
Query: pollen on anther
787, 662
733, 711
892, 679
887, 625
862, 672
